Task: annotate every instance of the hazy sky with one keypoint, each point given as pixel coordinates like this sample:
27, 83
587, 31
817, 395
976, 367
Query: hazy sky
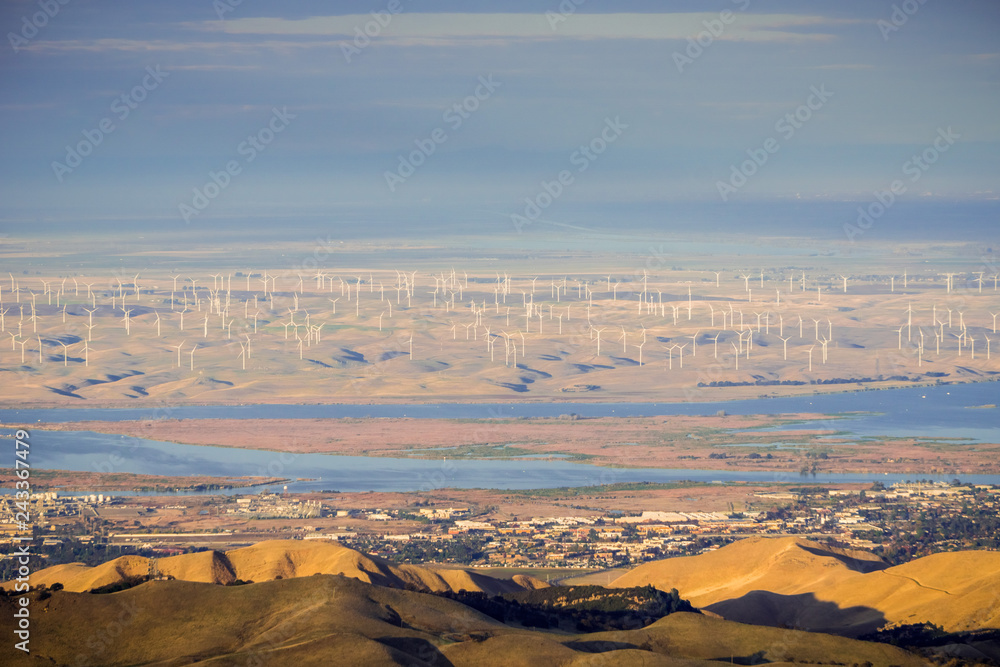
333, 111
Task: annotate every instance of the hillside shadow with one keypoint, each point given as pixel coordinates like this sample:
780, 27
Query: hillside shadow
417, 647
856, 564
800, 612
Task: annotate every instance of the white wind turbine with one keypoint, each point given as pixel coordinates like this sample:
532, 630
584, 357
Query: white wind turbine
784, 342
594, 330
178, 347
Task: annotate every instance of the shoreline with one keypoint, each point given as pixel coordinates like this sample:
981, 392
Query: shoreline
504, 399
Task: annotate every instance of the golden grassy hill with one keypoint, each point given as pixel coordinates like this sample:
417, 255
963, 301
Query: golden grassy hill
791, 564
280, 559
339, 620
795, 582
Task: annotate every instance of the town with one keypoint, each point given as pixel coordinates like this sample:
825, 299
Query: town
899, 522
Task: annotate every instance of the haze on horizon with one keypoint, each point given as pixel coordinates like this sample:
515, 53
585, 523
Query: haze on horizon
534, 84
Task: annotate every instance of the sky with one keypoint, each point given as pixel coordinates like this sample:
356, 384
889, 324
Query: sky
183, 113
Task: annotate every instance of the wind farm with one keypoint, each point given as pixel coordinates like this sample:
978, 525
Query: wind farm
569, 331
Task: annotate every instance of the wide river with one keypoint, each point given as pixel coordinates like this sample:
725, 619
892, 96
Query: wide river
946, 412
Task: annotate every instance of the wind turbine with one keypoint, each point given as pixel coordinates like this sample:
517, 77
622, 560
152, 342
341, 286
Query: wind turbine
195, 348
715, 341
784, 342
178, 347
598, 331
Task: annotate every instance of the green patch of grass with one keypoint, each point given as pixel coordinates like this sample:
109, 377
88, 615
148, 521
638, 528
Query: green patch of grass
602, 489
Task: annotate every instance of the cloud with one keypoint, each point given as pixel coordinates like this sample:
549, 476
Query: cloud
255, 35
170, 46
428, 28
848, 66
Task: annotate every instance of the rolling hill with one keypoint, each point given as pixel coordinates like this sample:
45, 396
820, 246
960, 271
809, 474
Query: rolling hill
793, 582
331, 619
281, 559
